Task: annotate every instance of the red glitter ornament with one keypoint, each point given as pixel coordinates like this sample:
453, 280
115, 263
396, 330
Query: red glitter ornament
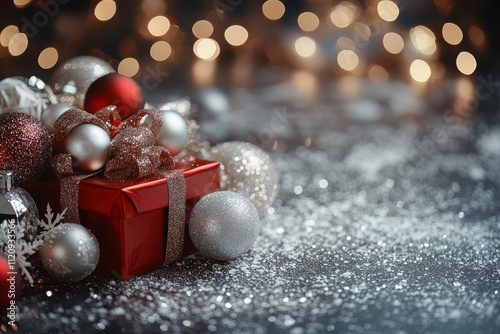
115, 89
9, 287
25, 145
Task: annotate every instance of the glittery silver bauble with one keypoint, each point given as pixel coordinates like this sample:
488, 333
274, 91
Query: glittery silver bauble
15, 94
70, 252
74, 76
25, 146
52, 113
89, 147
248, 170
174, 132
181, 106
223, 225
213, 114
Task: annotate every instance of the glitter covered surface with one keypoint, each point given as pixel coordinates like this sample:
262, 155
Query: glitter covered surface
224, 225
72, 79
386, 222
25, 147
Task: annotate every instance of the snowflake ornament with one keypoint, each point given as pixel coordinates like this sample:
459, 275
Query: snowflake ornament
24, 248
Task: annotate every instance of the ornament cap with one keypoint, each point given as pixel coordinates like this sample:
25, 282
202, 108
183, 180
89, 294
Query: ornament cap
5, 180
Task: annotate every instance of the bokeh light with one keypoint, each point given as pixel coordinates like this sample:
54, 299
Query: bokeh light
7, 33
348, 60
342, 15
466, 63
378, 74
477, 36
420, 71
21, 3
308, 21
423, 39
273, 9
452, 33
48, 58
345, 43
305, 46
236, 35
393, 42
206, 49
153, 7
105, 10
158, 25
18, 44
160, 50
305, 82
362, 32
388, 10
128, 67
202, 29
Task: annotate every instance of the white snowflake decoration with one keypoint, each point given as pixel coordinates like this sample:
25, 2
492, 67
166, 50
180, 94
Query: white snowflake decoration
23, 248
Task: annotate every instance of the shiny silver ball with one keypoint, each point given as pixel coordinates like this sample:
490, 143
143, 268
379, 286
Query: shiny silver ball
223, 225
74, 76
52, 113
247, 170
89, 147
70, 252
173, 133
15, 94
213, 114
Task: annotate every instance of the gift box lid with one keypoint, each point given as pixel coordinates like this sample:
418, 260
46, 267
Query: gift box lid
125, 199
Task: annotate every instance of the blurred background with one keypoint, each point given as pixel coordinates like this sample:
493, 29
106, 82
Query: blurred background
176, 47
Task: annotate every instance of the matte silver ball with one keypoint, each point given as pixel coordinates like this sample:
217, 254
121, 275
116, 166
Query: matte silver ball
51, 114
247, 170
173, 133
214, 113
70, 252
74, 76
89, 147
223, 225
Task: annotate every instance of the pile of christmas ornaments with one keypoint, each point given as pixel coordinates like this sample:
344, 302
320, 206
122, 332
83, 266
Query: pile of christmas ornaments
223, 225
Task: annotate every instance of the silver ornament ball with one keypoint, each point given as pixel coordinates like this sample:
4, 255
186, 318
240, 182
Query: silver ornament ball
52, 113
74, 76
173, 133
89, 147
213, 114
15, 94
223, 225
247, 170
70, 252
17, 202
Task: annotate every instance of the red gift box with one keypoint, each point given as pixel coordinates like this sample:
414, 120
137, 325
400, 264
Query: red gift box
129, 218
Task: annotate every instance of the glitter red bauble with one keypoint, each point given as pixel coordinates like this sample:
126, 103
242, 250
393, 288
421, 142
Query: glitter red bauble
25, 145
9, 283
115, 89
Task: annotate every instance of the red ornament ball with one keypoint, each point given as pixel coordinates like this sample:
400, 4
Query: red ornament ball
9, 283
25, 146
115, 89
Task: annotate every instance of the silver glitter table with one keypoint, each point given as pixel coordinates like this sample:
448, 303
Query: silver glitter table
387, 221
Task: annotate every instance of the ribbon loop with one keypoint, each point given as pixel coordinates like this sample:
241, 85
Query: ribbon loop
134, 155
